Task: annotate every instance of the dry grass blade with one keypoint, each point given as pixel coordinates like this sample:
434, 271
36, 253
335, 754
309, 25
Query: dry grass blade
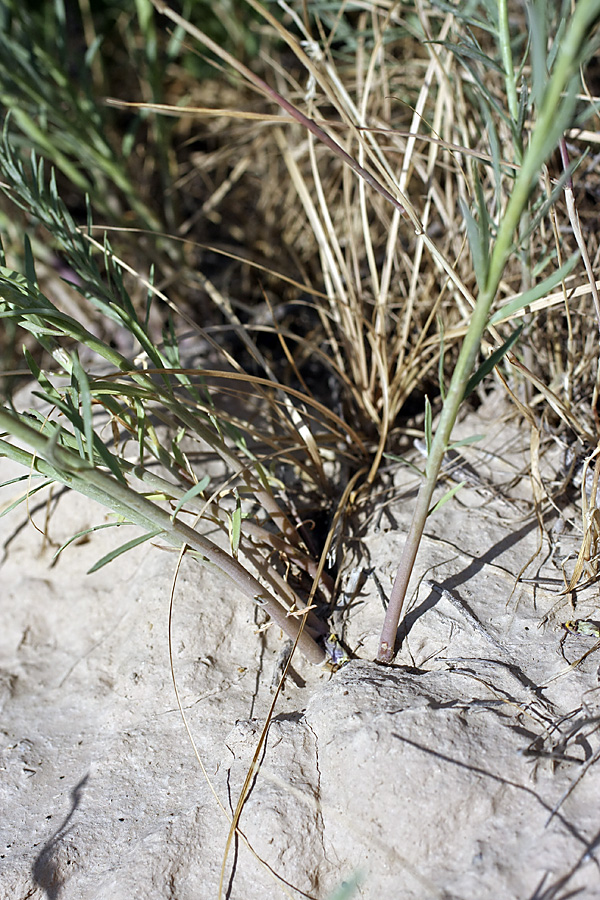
255, 765
308, 123
190, 735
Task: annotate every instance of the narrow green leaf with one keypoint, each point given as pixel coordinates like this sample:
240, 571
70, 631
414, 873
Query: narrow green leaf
543, 263
542, 207
447, 496
236, 526
535, 293
468, 49
523, 107
557, 41
140, 426
486, 367
51, 445
114, 554
72, 401
85, 398
65, 405
405, 462
171, 347
83, 533
441, 360
496, 154
178, 454
149, 298
49, 390
92, 50
464, 442
192, 492
18, 479
428, 424
483, 217
536, 13
476, 245
109, 459
89, 221
23, 497
29, 261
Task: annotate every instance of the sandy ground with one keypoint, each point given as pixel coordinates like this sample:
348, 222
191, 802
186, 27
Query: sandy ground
466, 771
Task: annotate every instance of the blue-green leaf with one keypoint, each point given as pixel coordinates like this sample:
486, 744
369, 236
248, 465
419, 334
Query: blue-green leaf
193, 492
447, 496
466, 441
428, 425
80, 534
486, 367
236, 526
85, 398
535, 293
477, 245
123, 549
30, 493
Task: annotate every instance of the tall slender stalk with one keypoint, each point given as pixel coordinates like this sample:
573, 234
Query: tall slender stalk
554, 114
507, 60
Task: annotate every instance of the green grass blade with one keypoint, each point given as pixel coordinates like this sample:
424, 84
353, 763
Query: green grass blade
428, 425
30, 492
535, 293
235, 526
82, 385
447, 496
80, 534
193, 492
492, 361
114, 554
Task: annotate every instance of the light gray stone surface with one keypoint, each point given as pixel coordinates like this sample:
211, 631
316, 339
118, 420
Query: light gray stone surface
418, 778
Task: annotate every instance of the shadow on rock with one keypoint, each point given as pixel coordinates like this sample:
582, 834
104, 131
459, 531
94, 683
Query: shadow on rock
49, 867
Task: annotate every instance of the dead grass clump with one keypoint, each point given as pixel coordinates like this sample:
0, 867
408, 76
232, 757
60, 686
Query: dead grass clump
428, 119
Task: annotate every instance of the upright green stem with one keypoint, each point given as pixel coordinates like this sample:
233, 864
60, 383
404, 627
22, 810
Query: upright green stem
553, 116
439, 445
464, 366
507, 60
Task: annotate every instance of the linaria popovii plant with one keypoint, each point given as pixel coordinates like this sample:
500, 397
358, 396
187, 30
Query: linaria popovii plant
361, 208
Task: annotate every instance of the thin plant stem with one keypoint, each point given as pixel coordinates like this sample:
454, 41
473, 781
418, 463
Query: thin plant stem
292, 110
554, 114
576, 226
507, 60
69, 469
454, 397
